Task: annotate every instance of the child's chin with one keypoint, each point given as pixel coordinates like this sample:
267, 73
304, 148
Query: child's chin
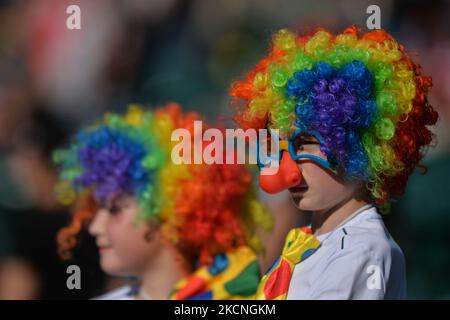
298, 201
112, 268
303, 204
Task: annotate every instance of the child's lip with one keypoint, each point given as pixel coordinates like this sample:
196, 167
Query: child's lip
298, 189
103, 248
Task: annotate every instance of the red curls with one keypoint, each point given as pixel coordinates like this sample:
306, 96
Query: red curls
210, 207
412, 135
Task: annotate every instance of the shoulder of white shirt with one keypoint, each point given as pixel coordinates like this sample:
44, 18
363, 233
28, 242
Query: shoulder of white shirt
122, 293
367, 232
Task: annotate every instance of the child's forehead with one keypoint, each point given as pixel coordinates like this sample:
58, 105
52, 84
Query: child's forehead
298, 134
305, 135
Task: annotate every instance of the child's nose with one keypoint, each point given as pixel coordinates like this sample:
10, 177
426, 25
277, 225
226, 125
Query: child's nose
288, 175
97, 225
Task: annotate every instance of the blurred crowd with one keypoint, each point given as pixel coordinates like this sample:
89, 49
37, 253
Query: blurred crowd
54, 80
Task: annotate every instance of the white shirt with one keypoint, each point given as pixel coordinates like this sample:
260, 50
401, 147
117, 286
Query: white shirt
357, 260
122, 293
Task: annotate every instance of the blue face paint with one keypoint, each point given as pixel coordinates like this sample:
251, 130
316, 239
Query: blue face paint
291, 147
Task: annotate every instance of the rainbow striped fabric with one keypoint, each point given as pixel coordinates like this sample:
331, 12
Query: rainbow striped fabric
300, 244
232, 276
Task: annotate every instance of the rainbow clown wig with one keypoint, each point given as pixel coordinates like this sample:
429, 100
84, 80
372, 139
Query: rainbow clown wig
361, 93
203, 209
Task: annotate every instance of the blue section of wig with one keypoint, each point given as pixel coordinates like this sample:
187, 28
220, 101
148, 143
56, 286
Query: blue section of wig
338, 103
111, 162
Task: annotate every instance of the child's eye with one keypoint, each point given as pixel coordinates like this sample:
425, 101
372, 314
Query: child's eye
304, 144
114, 209
309, 142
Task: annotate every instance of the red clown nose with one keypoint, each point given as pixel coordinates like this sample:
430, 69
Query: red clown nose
288, 175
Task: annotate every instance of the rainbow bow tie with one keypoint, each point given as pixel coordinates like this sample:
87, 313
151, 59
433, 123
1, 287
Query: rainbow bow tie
233, 275
299, 245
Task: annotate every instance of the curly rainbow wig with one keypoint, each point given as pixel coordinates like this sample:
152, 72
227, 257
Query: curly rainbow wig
361, 93
202, 209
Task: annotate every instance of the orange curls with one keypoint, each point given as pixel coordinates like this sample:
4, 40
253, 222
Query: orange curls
67, 236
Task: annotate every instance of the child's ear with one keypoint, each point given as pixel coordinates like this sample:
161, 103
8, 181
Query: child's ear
361, 192
152, 232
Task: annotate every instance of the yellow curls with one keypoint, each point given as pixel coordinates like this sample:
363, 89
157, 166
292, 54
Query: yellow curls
163, 131
319, 43
255, 215
169, 179
348, 39
259, 214
284, 40
134, 115
260, 81
65, 193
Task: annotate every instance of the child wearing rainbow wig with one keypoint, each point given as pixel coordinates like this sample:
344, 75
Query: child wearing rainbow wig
186, 231
352, 112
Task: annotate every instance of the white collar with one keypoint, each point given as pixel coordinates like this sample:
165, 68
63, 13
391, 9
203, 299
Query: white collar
347, 221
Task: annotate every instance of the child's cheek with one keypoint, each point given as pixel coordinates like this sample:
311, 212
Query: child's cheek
126, 238
313, 175
117, 231
321, 185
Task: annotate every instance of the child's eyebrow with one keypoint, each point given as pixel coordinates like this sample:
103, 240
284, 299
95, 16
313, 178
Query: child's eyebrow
116, 201
307, 138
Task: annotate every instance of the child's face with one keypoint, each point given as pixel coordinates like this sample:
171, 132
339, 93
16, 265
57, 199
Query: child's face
320, 188
126, 245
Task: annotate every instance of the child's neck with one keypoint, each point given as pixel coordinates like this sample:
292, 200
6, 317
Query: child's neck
327, 220
159, 280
